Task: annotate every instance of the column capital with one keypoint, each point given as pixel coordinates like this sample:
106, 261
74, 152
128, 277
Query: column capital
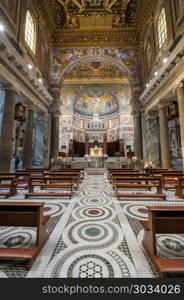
9, 87
55, 108
56, 114
55, 93
162, 104
30, 107
136, 113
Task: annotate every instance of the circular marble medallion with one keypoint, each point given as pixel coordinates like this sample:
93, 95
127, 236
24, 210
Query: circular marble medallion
103, 234
91, 212
19, 239
137, 211
53, 209
97, 201
170, 245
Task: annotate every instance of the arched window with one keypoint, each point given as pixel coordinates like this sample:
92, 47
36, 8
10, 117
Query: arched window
30, 32
162, 28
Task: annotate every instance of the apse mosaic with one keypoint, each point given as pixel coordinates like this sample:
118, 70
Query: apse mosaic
101, 99
96, 100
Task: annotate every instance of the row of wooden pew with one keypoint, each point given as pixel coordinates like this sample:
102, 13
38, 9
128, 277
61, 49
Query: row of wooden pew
30, 214
129, 179
161, 219
146, 179
30, 179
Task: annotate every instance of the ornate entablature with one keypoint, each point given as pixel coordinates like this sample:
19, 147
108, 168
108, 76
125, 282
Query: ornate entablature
14, 69
167, 79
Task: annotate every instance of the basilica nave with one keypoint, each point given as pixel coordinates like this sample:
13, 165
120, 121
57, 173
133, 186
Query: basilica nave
91, 138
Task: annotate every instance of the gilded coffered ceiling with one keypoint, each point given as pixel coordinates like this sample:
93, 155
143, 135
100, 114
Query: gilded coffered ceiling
95, 22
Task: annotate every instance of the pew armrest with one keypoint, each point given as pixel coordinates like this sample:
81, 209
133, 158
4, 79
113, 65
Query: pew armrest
145, 224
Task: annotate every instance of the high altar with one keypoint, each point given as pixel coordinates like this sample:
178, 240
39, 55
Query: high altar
96, 152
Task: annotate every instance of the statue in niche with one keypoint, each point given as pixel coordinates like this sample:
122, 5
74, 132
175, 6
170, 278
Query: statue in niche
20, 111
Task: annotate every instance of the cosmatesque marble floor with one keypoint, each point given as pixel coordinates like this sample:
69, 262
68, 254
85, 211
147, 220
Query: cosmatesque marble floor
93, 235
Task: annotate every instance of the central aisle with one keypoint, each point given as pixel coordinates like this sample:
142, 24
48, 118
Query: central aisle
93, 238
92, 235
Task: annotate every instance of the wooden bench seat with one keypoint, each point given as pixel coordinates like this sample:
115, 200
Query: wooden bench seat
24, 214
7, 182
74, 174
170, 265
44, 186
170, 180
138, 186
180, 187
140, 195
47, 194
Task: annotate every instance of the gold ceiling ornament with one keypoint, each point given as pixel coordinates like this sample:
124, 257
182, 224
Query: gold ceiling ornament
95, 30
72, 21
82, 4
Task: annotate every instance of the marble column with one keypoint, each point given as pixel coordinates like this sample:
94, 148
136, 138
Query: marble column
47, 139
55, 135
87, 144
164, 137
151, 138
105, 144
144, 152
180, 96
7, 130
28, 139
2, 93
137, 135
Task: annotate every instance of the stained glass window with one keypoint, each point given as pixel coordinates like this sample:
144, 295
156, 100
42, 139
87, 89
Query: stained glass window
162, 28
30, 33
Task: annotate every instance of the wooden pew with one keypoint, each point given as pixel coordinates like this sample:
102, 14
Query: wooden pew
56, 179
180, 187
7, 182
44, 186
121, 173
163, 219
153, 171
170, 180
71, 173
24, 214
117, 177
126, 183
163, 171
